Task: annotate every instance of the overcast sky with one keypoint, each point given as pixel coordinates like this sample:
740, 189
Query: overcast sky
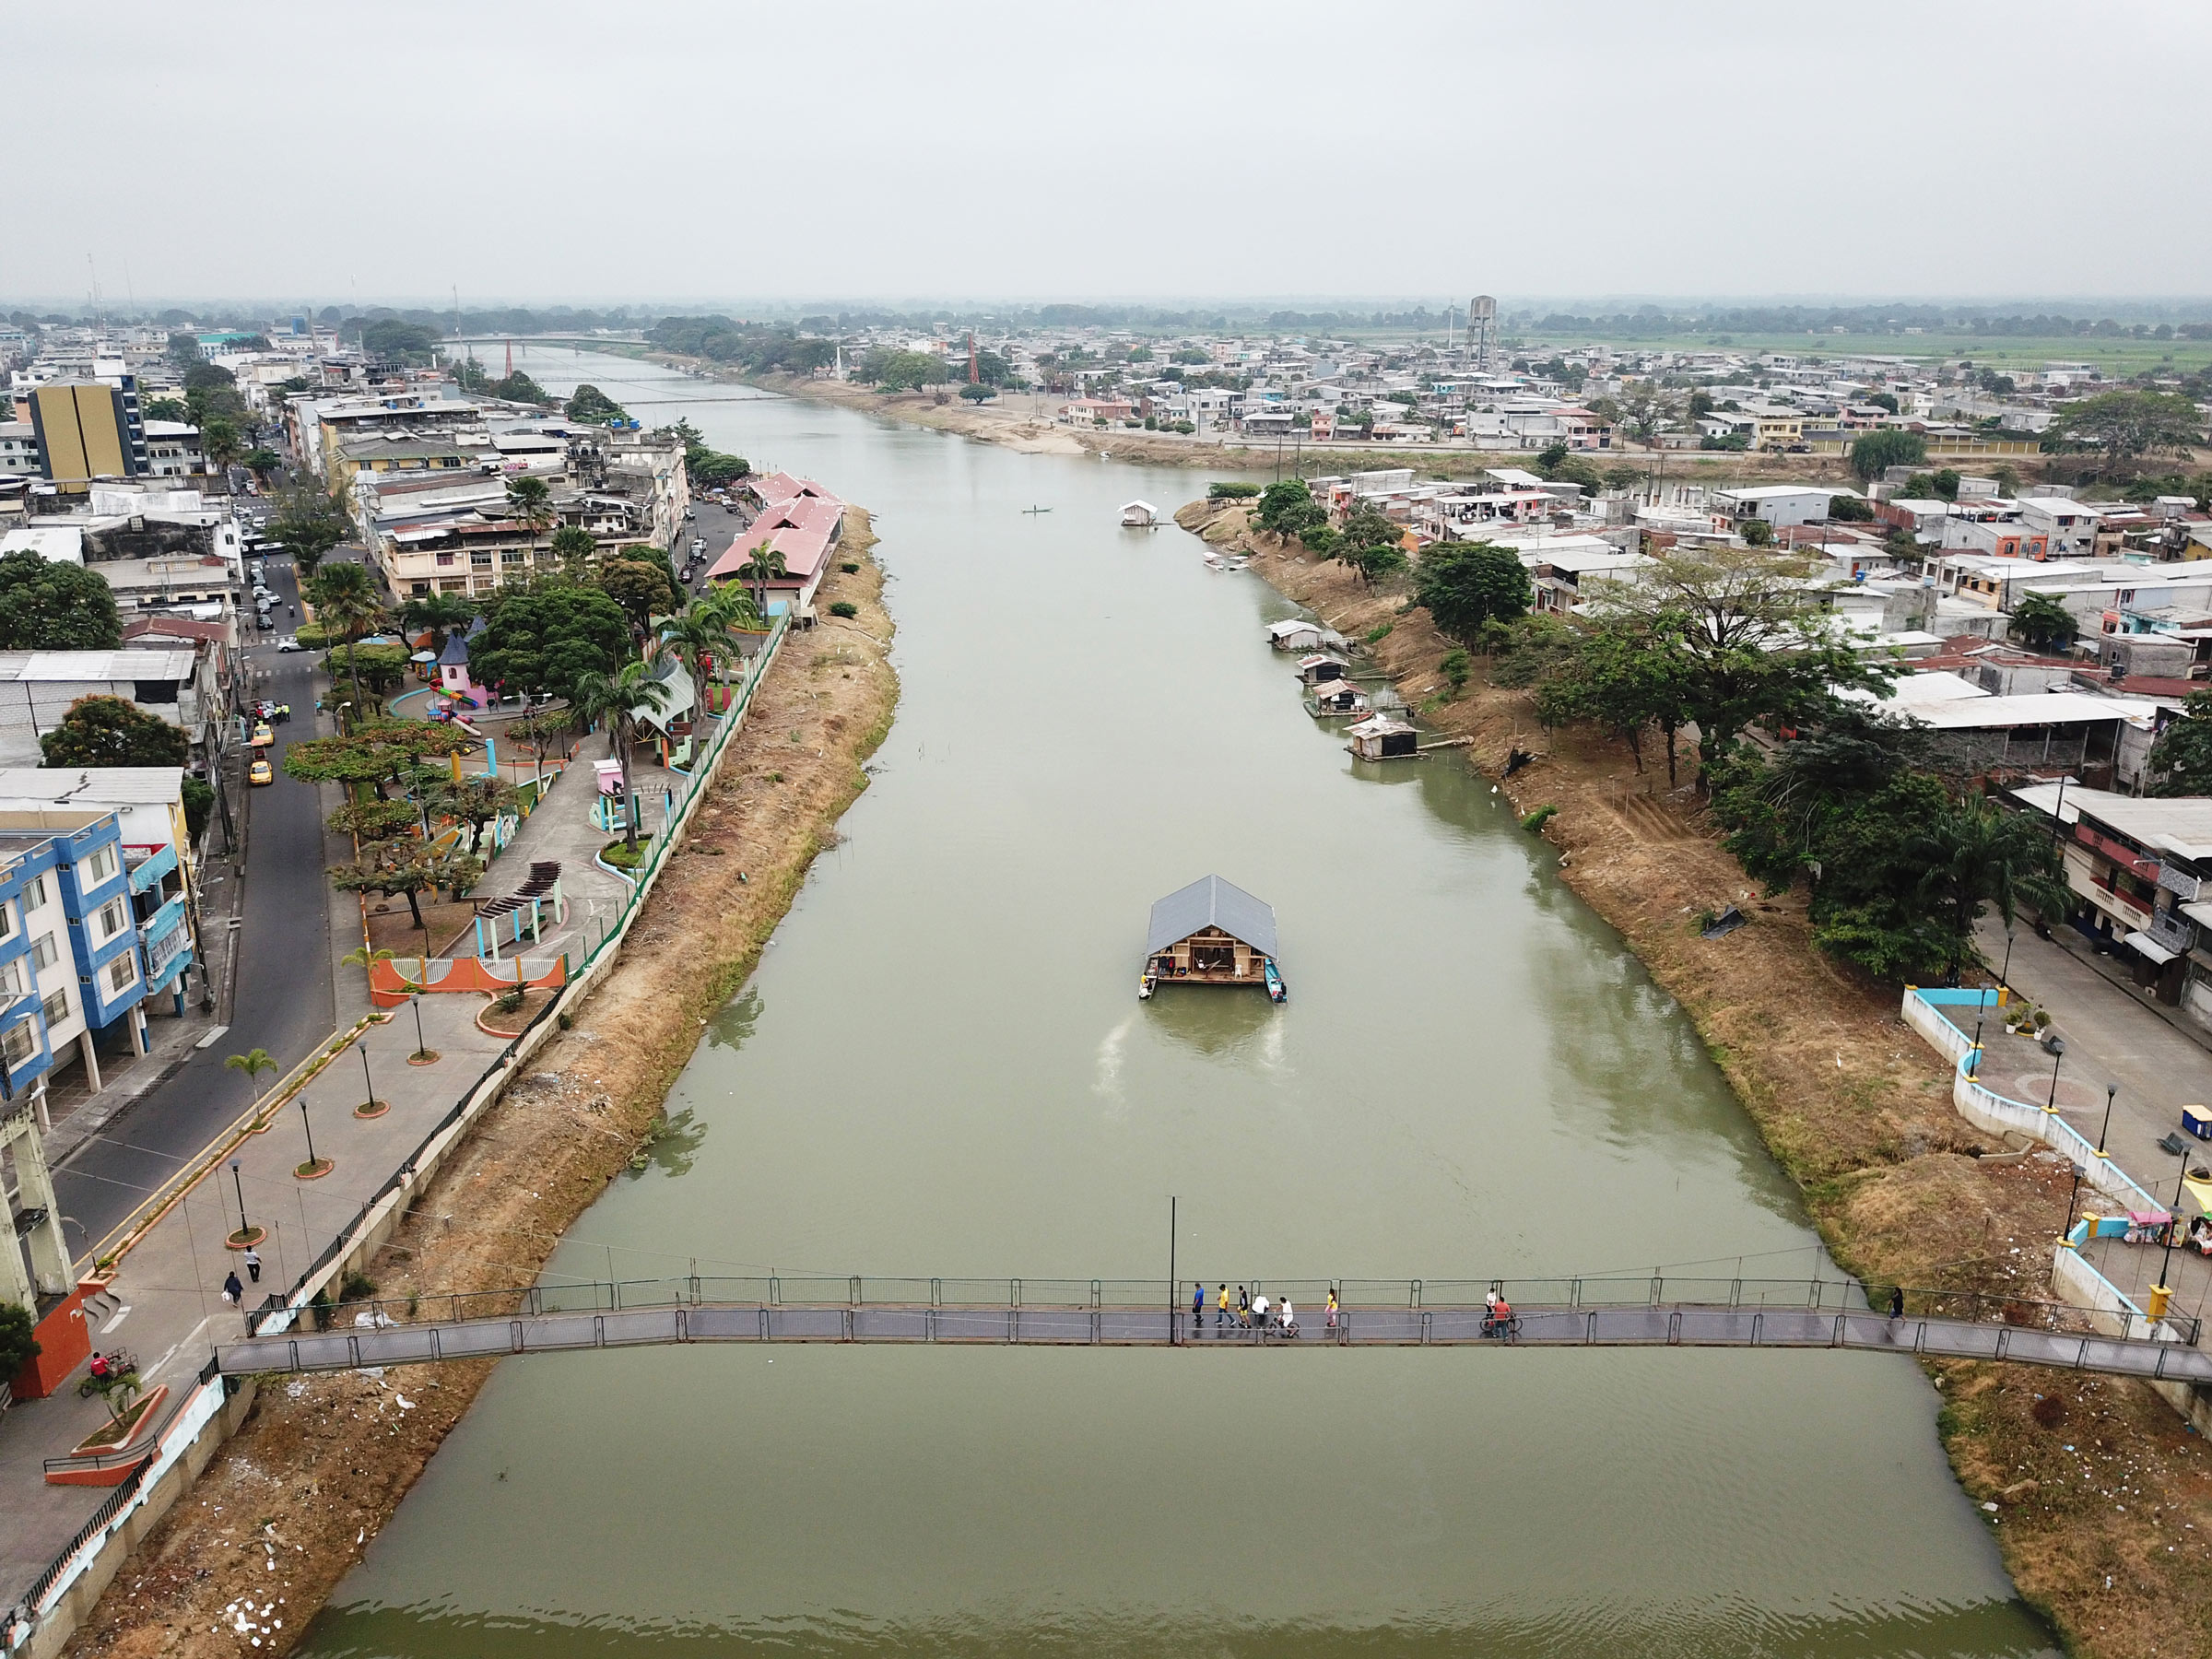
664, 150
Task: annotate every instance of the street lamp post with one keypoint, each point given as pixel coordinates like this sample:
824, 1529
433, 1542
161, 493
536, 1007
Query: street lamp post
2112, 1092
365, 1077
2161, 1293
2058, 1055
245, 1227
2003, 973
421, 1046
312, 1162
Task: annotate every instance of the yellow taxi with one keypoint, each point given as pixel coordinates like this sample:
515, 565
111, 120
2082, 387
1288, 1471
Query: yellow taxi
263, 735
260, 771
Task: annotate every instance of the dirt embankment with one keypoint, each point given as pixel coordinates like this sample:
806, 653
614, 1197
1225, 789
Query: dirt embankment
1022, 422
289, 1503
2103, 1498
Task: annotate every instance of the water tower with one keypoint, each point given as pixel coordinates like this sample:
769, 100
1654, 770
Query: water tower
1482, 331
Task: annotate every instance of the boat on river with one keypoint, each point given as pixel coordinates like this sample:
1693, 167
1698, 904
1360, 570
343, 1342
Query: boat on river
1211, 933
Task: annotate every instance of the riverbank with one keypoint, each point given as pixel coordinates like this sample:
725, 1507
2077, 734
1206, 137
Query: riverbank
1018, 421
287, 1506
2104, 1500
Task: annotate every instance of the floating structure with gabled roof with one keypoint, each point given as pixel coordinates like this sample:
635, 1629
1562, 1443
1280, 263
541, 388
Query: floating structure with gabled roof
1211, 933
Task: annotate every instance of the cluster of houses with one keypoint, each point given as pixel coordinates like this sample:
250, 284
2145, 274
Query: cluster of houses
1478, 392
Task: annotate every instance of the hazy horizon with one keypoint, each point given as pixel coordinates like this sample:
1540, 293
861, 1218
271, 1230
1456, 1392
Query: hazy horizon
748, 157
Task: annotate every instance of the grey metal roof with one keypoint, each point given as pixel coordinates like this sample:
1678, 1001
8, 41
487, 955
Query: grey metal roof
1212, 902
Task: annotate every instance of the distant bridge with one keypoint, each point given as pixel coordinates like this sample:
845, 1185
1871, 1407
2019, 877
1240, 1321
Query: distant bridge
1022, 1321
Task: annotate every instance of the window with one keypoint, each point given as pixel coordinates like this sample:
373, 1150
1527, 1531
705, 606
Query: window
101, 864
113, 915
43, 952
8, 921
11, 980
21, 1044
56, 1007
34, 893
123, 973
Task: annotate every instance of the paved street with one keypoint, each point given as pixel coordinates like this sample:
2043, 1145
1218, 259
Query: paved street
2110, 1039
282, 997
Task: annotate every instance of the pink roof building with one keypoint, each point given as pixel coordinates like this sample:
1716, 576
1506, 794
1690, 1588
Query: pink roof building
801, 520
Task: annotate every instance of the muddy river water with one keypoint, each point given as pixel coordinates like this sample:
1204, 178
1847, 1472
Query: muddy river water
942, 1068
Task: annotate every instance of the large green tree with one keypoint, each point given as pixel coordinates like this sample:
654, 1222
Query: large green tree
703, 635
1627, 677
406, 868
588, 403
1464, 585
1873, 454
308, 523
113, 731
1287, 507
641, 582
2126, 426
2181, 760
1754, 644
2042, 622
49, 605
546, 637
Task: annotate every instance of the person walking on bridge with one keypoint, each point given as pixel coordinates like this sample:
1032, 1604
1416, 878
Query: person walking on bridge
1197, 1306
1243, 1306
1221, 1309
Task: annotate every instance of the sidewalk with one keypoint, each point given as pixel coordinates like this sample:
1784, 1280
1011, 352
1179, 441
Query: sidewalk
171, 1283
2110, 1038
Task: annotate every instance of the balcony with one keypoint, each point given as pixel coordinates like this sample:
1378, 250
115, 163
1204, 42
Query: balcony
166, 938
148, 869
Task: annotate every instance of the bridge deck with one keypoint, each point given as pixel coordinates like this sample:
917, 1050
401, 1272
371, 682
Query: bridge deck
1675, 1326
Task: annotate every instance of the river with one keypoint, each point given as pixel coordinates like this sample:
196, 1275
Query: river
941, 1068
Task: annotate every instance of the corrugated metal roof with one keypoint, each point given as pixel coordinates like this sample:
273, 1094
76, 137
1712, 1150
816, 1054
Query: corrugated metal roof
1212, 902
166, 662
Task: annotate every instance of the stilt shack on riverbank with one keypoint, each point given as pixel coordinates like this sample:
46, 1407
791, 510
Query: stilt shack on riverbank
1211, 933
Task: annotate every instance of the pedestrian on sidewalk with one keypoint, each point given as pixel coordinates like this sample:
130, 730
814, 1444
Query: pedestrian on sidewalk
1897, 1301
232, 1291
254, 1264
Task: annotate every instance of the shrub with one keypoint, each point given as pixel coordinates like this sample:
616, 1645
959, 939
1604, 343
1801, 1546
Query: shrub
507, 1002
18, 1347
1185, 428
1457, 665
565, 1021
356, 1286
850, 570
1231, 492
845, 608
1535, 820
620, 855
1379, 632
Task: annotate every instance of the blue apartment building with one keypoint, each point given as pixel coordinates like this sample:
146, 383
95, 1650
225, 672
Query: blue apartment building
73, 944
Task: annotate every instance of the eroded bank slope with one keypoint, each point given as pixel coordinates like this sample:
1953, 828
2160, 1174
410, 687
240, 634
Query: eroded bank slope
2103, 1498
289, 1503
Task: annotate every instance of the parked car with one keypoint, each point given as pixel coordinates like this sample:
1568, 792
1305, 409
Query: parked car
289, 642
265, 622
260, 771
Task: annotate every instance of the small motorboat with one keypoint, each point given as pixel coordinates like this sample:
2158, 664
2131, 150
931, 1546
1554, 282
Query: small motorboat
1144, 986
1277, 990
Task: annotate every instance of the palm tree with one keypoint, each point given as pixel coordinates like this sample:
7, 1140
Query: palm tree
345, 598
440, 613
618, 698
252, 1063
1973, 854
765, 566
704, 633
531, 501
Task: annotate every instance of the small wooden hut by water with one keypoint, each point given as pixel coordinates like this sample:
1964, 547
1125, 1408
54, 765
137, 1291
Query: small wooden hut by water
1379, 737
1211, 933
1337, 697
1320, 666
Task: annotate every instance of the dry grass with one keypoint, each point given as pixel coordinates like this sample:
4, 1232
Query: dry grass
1857, 1107
323, 1461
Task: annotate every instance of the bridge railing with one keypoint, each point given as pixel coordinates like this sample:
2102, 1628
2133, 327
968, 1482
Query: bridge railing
1597, 1293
